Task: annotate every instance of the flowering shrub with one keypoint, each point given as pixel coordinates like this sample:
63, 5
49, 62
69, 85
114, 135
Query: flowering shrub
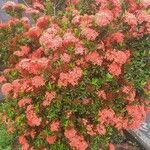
72, 79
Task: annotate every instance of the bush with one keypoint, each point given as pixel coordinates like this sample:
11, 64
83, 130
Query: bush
77, 76
5, 140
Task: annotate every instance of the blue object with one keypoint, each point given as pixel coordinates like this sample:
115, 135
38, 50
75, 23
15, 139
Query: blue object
3, 15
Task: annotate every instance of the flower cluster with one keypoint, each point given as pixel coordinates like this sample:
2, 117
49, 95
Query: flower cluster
48, 98
71, 77
76, 141
32, 118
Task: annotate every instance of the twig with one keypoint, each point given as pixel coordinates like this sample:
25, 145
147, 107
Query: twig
54, 10
26, 3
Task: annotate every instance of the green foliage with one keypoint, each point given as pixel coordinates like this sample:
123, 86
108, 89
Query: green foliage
114, 135
5, 139
138, 70
54, 7
6, 37
59, 145
99, 142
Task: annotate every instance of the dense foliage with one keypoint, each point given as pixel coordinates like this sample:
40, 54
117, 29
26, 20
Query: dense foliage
75, 76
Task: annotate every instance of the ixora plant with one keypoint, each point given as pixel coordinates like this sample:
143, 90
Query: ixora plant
75, 78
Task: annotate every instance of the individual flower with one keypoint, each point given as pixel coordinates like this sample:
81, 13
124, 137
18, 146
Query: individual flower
32, 119
101, 129
75, 141
106, 116
120, 123
89, 33
69, 38
23, 142
24, 101
130, 19
95, 58
65, 57
114, 69
49, 96
26, 86
55, 126
137, 114
142, 16
23, 52
86, 20
34, 32
37, 5
50, 38
76, 20
86, 101
101, 46
31, 11
32, 133
80, 49
8, 5
103, 18
80, 62
38, 81
130, 93
42, 22
32, 66
89, 127
51, 139
119, 57
145, 4
102, 94
6, 88
117, 37
2, 79
37, 53
70, 133
71, 77
111, 147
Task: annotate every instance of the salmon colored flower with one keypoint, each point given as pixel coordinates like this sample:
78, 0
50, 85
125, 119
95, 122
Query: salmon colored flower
130, 19
34, 32
2, 79
6, 88
130, 93
51, 139
38, 81
101, 129
42, 22
103, 18
102, 94
32, 119
95, 58
76, 141
55, 126
71, 77
49, 96
89, 33
37, 5
111, 147
23, 52
24, 101
65, 58
114, 69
